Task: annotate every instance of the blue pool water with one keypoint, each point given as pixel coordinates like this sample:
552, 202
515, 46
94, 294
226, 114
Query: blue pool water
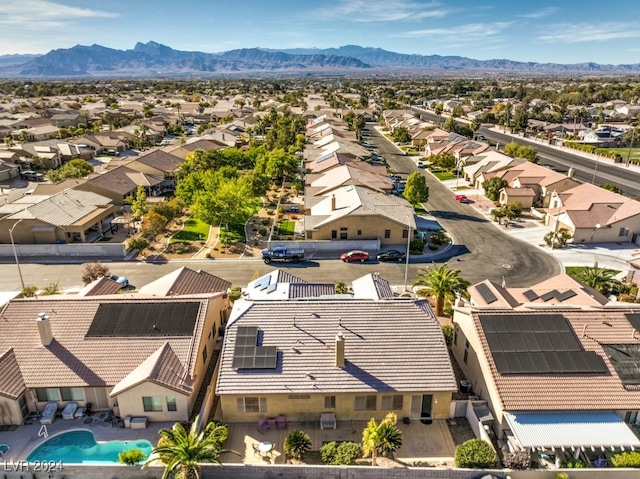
77, 447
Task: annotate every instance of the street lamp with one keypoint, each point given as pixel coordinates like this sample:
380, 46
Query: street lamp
15, 253
406, 259
597, 226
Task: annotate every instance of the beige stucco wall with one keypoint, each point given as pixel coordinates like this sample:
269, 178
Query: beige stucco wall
372, 226
130, 403
310, 409
10, 411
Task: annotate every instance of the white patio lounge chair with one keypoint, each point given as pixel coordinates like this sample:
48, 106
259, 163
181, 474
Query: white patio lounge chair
49, 413
69, 410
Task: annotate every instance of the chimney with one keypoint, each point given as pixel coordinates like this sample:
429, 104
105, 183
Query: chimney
333, 202
44, 328
340, 363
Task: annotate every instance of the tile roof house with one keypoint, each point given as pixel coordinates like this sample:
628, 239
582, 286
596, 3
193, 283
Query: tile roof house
121, 182
279, 285
355, 359
67, 216
554, 365
135, 354
358, 213
594, 215
331, 160
186, 281
345, 175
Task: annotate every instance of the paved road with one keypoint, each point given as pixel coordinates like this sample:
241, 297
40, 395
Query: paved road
483, 251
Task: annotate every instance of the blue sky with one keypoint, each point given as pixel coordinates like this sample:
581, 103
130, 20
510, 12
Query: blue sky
571, 31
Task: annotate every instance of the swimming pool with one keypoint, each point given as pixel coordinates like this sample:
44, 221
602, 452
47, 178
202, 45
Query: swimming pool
80, 447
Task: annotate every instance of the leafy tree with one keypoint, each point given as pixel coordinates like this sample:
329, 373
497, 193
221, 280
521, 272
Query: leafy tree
450, 124
383, 437
610, 187
138, 243
557, 239
438, 109
515, 150
138, 202
600, 279
475, 454
297, 443
401, 135
341, 287
93, 271
153, 223
77, 168
475, 125
416, 190
448, 332
441, 283
183, 451
444, 161
493, 186
498, 214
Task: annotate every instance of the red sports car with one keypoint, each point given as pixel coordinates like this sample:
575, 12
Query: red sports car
355, 255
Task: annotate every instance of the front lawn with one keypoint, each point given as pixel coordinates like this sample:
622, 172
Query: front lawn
575, 271
286, 228
194, 230
444, 175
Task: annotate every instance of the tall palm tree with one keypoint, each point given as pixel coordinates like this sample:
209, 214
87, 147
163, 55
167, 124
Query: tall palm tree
383, 437
182, 451
441, 283
600, 279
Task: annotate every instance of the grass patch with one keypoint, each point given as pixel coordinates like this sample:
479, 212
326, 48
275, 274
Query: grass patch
194, 230
287, 228
418, 208
444, 175
104, 239
462, 188
574, 271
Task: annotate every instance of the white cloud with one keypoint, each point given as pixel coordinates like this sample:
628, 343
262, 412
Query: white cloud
42, 14
470, 32
588, 32
545, 12
367, 11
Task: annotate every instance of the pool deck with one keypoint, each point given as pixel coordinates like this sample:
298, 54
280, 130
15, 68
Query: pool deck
25, 438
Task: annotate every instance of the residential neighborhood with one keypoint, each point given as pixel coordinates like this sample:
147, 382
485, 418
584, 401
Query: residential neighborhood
435, 284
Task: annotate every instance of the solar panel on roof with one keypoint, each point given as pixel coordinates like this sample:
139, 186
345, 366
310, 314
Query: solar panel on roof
625, 359
272, 288
486, 294
530, 294
144, 319
549, 295
247, 354
634, 319
566, 295
537, 344
324, 157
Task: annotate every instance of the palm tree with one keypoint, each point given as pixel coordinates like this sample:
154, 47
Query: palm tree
442, 283
600, 279
383, 437
182, 451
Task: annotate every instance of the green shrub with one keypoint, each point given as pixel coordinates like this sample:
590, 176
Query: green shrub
625, 459
572, 463
266, 221
262, 231
475, 454
297, 443
447, 330
416, 246
138, 243
131, 457
340, 454
28, 291
270, 212
562, 475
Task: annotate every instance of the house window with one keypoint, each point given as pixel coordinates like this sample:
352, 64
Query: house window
204, 355
343, 235
466, 351
334, 234
359, 232
624, 232
47, 394
365, 403
152, 403
393, 402
171, 403
456, 330
405, 234
329, 402
387, 234
251, 404
72, 394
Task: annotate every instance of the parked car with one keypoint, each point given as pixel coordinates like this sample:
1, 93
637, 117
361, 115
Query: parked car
462, 199
354, 256
392, 255
421, 164
120, 280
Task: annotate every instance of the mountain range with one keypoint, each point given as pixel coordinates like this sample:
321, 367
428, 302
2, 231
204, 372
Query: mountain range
156, 60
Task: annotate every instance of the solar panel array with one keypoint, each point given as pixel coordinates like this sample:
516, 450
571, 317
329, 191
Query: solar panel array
144, 319
262, 283
538, 344
634, 319
625, 359
531, 295
324, 157
248, 355
486, 293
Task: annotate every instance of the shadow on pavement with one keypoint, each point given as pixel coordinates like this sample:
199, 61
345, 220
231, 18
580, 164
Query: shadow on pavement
452, 215
300, 265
